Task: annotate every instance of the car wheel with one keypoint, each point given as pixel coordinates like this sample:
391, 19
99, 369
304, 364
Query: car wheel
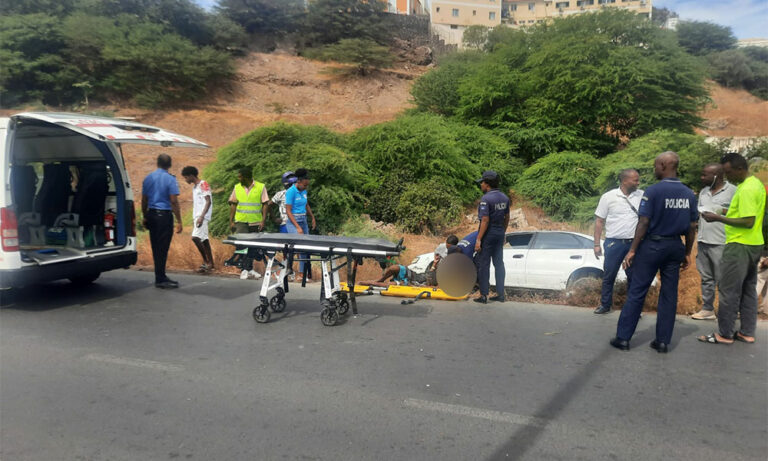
87, 279
580, 282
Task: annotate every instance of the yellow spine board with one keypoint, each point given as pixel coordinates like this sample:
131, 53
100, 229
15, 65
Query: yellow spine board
413, 292
359, 289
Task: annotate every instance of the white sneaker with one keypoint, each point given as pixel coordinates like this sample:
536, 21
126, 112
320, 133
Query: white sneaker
243, 275
704, 315
254, 275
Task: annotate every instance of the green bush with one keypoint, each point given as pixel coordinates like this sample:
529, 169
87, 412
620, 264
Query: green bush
362, 55
640, 154
437, 90
429, 146
359, 226
270, 151
428, 206
559, 182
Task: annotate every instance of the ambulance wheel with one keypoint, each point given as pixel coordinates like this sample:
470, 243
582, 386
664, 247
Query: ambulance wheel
329, 317
277, 303
343, 307
261, 314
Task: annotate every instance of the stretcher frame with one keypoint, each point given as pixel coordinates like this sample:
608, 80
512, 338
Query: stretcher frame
332, 253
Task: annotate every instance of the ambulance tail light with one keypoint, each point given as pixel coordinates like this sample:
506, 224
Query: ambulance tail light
9, 229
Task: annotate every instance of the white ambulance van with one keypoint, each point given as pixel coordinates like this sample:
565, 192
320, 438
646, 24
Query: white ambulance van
66, 205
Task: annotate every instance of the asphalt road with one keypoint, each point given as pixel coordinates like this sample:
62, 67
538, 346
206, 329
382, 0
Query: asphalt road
124, 371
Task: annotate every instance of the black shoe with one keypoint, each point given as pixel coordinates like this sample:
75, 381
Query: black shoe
661, 348
620, 344
497, 298
167, 284
482, 300
170, 282
602, 310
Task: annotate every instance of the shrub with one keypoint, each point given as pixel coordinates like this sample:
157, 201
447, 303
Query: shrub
360, 226
270, 151
427, 146
640, 154
700, 38
475, 37
428, 206
558, 182
436, 91
363, 55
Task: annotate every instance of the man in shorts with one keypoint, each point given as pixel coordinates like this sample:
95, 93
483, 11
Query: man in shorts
202, 207
401, 275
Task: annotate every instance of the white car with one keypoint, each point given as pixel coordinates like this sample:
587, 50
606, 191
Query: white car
542, 260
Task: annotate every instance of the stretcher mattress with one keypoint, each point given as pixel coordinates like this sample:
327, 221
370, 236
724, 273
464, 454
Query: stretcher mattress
405, 292
317, 243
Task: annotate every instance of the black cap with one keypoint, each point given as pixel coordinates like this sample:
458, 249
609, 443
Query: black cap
488, 176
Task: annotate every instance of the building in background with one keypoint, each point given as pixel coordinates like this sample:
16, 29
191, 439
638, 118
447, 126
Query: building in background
408, 6
761, 42
518, 13
451, 17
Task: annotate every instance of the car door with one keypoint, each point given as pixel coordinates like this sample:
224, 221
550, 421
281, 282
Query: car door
552, 258
515, 252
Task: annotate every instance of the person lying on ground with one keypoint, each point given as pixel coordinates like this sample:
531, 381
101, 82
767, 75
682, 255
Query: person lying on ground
397, 274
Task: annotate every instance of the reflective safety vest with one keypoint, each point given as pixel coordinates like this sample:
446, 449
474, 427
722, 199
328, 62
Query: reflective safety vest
248, 204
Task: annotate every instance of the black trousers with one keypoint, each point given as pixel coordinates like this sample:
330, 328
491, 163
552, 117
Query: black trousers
160, 225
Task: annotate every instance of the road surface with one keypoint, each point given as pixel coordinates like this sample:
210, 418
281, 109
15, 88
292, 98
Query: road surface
124, 371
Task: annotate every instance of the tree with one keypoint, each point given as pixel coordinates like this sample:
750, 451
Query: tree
730, 68
263, 16
329, 21
364, 55
701, 38
583, 83
475, 37
660, 15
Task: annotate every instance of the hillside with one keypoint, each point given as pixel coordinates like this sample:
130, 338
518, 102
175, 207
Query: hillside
735, 112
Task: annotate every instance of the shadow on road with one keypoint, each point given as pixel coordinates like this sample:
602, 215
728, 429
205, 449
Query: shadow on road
57, 295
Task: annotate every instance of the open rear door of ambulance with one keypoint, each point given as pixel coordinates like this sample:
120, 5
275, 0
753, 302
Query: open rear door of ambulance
114, 130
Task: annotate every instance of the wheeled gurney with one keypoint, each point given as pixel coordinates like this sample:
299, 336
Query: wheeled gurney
333, 253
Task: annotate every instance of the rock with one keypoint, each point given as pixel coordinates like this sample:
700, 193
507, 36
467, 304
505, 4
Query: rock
517, 219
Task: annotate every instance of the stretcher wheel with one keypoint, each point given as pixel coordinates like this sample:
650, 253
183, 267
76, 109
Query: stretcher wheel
343, 306
261, 314
277, 303
329, 317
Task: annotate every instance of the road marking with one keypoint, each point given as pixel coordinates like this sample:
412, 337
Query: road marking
106, 358
490, 415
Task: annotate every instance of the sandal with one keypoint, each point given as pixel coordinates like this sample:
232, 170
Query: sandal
740, 337
712, 339
203, 269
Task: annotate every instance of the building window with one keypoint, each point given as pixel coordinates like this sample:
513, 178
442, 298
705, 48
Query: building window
585, 2
530, 21
437, 9
454, 26
603, 2
455, 13
474, 12
492, 16
562, 4
531, 6
513, 7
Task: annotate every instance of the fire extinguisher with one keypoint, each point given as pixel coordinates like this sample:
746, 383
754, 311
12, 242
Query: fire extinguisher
109, 226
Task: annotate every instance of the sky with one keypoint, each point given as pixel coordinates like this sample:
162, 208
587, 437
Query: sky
747, 18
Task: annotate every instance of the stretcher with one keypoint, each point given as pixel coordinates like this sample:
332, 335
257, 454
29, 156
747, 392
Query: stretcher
405, 291
332, 252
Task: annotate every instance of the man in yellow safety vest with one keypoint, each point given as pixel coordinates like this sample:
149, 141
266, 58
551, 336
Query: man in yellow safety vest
249, 203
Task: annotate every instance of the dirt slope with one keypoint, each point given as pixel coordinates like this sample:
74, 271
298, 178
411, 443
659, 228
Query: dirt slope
735, 113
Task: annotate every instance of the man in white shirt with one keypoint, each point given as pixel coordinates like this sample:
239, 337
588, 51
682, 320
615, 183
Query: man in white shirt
617, 212
202, 208
715, 197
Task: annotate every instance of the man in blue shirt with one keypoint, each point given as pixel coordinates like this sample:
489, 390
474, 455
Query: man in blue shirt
667, 211
160, 198
493, 213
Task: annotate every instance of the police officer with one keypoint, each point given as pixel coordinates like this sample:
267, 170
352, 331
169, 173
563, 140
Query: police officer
159, 204
493, 213
667, 211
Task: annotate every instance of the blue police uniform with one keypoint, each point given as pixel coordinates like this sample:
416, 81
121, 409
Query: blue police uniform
671, 207
466, 246
495, 205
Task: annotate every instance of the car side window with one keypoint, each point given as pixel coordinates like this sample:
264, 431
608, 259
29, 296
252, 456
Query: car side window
585, 242
519, 241
556, 241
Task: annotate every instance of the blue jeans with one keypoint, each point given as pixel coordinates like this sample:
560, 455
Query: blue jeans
301, 220
615, 251
283, 229
663, 256
492, 249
